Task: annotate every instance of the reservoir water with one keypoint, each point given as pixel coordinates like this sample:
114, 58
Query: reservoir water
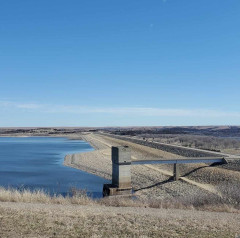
37, 163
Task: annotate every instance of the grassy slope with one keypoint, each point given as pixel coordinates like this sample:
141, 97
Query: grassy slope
35, 214
51, 220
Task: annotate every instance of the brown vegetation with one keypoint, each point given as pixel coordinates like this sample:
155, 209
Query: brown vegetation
56, 220
230, 202
195, 141
36, 214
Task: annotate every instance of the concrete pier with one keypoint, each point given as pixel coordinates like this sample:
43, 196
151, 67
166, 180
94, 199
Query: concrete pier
176, 173
121, 172
121, 169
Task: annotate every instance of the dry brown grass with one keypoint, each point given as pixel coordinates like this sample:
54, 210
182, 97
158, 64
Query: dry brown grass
36, 214
210, 202
211, 143
38, 196
41, 220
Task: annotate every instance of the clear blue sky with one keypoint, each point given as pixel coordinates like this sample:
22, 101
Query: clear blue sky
119, 63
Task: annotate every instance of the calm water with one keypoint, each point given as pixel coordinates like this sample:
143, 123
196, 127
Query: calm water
37, 163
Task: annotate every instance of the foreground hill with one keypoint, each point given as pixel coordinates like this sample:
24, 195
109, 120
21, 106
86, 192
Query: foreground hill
55, 220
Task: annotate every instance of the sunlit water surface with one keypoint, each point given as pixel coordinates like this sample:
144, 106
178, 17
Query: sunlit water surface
37, 163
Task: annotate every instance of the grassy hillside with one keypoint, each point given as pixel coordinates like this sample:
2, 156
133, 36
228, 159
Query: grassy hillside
38, 215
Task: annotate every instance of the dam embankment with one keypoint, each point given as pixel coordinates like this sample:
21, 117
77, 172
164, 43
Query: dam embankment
178, 150
151, 181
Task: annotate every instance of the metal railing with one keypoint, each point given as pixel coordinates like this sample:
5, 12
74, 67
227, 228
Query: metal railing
182, 161
176, 162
